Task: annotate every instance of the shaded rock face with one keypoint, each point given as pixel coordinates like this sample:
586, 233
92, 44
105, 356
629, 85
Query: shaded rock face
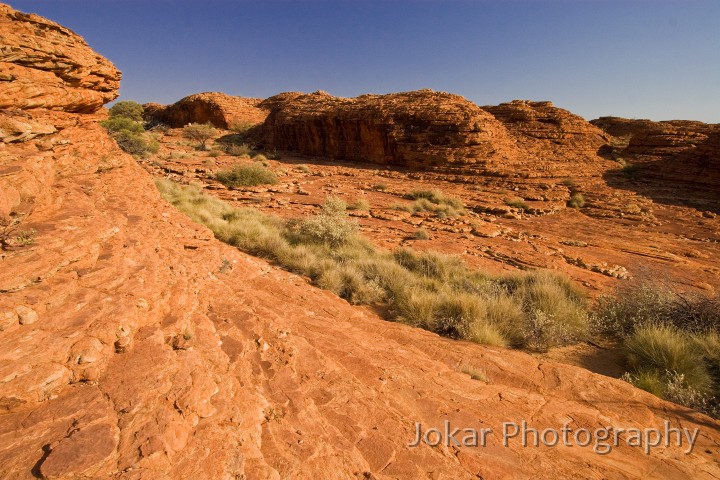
421, 129
677, 150
438, 131
220, 109
44, 65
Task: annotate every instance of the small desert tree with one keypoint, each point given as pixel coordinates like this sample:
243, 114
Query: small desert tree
200, 132
125, 125
127, 109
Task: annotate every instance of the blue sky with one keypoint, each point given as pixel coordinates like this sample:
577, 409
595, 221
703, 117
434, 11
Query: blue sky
657, 59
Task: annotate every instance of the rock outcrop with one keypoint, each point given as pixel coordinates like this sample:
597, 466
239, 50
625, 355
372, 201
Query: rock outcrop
44, 65
422, 129
430, 130
677, 150
134, 345
220, 109
545, 130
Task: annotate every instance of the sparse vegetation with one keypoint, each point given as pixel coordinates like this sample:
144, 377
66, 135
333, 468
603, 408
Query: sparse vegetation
241, 150
200, 132
303, 168
247, 176
576, 200
474, 372
361, 205
380, 187
421, 234
433, 201
125, 125
430, 290
12, 236
518, 203
242, 128
671, 342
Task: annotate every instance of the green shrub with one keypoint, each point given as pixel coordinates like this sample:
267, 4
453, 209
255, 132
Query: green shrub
126, 127
127, 109
246, 176
135, 143
200, 132
119, 124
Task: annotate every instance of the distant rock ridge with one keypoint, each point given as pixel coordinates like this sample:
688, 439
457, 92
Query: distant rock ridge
220, 109
45, 65
421, 129
680, 150
433, 130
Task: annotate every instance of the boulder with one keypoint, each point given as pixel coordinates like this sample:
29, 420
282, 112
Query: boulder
45, 65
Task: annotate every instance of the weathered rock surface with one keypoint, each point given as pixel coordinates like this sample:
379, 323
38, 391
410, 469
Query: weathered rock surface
45, 65
270, 378
134, 345
220, 109
436, 131
422, 129
544, 129
676, 151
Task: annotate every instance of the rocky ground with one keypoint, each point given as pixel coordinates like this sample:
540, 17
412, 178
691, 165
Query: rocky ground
135, 345
618, 235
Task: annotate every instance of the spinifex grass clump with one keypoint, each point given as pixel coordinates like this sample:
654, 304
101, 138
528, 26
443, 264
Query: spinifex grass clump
434, 201
671, 342
247, 176
437, 292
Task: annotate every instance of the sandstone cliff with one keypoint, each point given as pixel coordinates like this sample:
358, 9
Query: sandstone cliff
44, 65
544, 129
220, 109
134, 345
422, 129
677, 151
436, 131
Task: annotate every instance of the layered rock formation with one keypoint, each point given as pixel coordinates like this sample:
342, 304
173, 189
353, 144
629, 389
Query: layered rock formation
543, 129
434, 130
44, 65
134, 345
220, 109
677, 150
423, 129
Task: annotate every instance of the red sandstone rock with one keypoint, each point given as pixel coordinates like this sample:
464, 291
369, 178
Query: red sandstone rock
422, 129
675, 151
436, 131
274, 378
220, 109
45, 65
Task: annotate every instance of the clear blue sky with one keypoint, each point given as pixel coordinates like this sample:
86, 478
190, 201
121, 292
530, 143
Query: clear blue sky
657, 59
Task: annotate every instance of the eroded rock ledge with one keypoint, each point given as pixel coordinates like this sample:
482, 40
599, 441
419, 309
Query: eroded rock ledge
45, 65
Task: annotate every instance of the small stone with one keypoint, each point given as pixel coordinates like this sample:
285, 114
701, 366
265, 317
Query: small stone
26, 315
